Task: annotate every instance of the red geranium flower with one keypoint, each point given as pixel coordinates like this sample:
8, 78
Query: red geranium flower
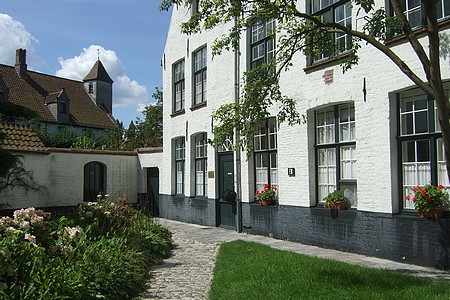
257, 192
427, 198
414, 198
408, 197
441, 187
423, 192
416, 188
266, 186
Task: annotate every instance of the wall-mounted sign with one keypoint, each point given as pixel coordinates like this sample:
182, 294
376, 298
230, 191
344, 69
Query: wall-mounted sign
291, 172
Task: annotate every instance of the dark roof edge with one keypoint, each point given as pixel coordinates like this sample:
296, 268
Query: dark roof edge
92, 151
150, 150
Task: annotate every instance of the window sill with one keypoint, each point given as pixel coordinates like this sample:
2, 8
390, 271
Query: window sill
177, 113
326, 63
418, 32
198, 106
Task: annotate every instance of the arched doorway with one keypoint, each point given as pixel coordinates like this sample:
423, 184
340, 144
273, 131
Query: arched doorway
94, 180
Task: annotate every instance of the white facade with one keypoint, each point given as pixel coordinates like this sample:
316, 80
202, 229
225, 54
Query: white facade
376, 181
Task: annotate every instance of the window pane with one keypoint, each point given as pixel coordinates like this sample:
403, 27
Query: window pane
348, 162
442, 168
326, 172
261, 171
416, 167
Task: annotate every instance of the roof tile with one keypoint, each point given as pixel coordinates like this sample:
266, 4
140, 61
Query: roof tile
20, 137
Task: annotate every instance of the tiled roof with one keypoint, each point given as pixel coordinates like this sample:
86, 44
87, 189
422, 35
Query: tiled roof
20, 137
98, 72
32, 90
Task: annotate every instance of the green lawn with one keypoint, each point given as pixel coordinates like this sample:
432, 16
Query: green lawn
246, 270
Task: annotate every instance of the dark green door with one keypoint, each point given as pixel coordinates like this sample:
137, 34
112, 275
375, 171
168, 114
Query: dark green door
227, 210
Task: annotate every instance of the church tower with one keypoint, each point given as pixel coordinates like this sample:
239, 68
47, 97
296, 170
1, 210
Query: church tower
99, 86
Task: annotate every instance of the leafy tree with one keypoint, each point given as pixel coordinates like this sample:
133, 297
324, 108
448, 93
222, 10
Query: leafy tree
299, 31
151, 129
146, 132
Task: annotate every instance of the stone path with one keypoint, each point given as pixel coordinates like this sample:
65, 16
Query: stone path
188, 272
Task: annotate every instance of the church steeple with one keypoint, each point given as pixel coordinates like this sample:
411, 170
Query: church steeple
99, 86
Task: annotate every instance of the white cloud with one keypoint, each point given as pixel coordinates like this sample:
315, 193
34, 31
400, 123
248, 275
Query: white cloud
14, 36
125, 91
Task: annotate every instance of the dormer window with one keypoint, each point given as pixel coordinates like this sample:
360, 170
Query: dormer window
91, 87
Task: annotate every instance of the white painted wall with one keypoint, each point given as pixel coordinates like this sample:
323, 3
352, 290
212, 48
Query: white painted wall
376, 118
61, 173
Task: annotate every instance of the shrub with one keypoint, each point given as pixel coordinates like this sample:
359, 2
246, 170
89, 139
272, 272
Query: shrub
105, 252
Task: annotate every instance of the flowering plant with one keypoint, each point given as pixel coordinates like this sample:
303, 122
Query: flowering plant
267, 193
335, 197
428, 197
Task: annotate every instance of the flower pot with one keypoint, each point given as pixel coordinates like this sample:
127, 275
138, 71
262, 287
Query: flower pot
434, 213
264, 202
337, 205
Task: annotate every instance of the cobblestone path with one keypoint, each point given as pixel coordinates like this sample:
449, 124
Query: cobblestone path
187, 273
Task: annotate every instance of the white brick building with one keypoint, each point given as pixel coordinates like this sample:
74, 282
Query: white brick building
369, 132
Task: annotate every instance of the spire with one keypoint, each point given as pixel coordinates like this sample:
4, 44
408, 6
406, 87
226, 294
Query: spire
98, 72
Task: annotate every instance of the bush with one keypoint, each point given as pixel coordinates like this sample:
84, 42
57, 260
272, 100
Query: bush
104, 252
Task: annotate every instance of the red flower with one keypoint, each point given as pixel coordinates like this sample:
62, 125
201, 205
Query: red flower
427, 198
441, 187
266, 186
423, 192
416, 188
414, 198
408, 197
273, 187
257, 192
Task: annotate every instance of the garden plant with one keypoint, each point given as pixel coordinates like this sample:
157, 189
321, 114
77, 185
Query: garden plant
103, 252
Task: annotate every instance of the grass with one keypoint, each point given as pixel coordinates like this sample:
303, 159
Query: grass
246, 270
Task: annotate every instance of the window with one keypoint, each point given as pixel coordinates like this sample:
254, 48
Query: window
415, 12
262, 42
178, 86
420, 142
265, 148
2, 94
200, 165
195, 6
335, 150
63, 107
339, 12
199, 76
91, 87
179, 166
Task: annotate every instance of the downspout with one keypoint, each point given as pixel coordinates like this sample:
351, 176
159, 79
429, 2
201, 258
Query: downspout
237, 151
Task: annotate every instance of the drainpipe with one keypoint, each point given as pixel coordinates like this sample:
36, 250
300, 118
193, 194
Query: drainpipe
237, 151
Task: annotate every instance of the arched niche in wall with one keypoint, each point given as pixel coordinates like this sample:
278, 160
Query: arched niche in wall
94, 180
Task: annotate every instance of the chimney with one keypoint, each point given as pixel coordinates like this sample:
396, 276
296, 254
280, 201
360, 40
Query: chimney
21, 64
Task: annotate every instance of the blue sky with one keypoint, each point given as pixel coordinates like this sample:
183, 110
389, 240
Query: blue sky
62, 38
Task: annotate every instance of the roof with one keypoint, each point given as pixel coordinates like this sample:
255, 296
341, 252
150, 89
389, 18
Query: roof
98, 72
31, 92
20, 137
